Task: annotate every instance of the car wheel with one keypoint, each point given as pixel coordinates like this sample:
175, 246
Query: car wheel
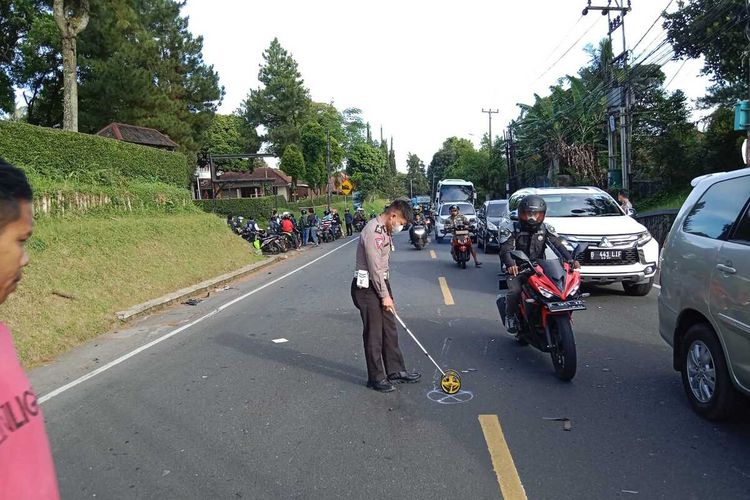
638, 290
705, 376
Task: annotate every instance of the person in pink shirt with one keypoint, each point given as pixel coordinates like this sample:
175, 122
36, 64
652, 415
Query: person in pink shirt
27, 471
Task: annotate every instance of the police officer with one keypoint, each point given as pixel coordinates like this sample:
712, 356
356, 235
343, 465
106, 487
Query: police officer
371, 293
530, 235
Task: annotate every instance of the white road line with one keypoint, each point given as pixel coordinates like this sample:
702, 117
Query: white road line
171, 334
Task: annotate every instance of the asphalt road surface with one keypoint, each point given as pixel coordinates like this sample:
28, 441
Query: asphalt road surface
213, 408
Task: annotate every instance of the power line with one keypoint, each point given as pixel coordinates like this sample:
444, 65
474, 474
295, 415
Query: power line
661, 15
567, 51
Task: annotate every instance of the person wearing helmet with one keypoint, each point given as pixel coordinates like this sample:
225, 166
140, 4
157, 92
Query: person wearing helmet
530, 235
458, 219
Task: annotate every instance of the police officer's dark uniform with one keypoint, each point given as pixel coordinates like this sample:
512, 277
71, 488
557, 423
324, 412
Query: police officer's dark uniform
385, 363
532, 239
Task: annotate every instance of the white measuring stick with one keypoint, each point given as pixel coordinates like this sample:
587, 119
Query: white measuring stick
418, 343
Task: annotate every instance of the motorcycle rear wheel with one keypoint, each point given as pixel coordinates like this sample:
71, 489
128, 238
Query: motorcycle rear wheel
463, 264
563, 351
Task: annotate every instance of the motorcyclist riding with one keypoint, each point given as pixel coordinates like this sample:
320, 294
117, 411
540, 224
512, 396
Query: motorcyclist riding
531, 235
458, 219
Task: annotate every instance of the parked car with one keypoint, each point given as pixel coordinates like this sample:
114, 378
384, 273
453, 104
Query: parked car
620, 250
492, 215
704, 305
443, 214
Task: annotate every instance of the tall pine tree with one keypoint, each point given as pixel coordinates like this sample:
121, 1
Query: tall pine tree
282, 103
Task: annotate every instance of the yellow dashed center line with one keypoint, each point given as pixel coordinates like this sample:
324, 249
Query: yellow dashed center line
433, 254
502, 461
447, 296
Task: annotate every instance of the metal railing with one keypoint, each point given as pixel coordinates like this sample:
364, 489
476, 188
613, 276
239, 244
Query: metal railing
658, 223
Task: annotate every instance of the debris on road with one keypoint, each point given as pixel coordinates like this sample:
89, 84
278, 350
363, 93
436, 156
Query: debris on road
279, 341
469, 370
630, 492
567, 423
192, 302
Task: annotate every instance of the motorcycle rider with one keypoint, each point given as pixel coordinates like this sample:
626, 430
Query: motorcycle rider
458, 219
531, 235
349, 220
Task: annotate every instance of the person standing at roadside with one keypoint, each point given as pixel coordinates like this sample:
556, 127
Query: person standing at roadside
312, 225
26, 468
624, 198
372, 295
349, 220
304, 227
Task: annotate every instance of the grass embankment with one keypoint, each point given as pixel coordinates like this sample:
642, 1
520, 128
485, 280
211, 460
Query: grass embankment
665, 201
107, 264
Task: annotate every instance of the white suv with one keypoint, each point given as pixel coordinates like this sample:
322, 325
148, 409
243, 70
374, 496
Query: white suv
444, 213
619, 248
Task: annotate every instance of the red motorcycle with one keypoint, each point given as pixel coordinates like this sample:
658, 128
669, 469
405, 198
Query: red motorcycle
550, 294
461, 245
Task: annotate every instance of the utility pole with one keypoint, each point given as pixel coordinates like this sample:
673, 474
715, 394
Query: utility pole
510, 157
619, 97
328, 166
490, 112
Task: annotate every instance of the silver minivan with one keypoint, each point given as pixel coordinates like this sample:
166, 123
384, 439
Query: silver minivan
704, 305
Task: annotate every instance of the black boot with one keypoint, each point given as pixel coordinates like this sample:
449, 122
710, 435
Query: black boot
404, 377
381, 385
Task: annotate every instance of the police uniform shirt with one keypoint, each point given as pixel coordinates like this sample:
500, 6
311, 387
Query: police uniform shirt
373, 255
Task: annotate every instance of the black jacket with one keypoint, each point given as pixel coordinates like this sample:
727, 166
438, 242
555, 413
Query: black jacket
532, 244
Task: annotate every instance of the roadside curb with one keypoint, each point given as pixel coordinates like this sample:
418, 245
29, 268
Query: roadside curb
202, 287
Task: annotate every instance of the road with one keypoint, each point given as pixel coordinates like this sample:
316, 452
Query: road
218, 410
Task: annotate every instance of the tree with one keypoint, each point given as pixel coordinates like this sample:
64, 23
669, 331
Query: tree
714, 30
366, 165
293, 164
446, 156
416, 180
71, 18
138, 63
227, 134
282, 103
354, 127
16, 20
392, 159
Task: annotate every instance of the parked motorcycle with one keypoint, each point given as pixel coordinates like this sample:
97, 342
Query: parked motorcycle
418, 236
460, 244
549, 296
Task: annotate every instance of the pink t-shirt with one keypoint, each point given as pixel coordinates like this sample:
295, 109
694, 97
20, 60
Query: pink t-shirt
26, 468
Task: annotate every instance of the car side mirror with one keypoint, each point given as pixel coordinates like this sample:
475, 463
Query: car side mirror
513, 215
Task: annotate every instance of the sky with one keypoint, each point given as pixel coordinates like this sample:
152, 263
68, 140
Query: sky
423, 70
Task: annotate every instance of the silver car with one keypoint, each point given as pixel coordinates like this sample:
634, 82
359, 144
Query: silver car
704, 305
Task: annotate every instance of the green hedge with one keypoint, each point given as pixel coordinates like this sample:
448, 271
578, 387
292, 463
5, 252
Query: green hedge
89, 159
252, 208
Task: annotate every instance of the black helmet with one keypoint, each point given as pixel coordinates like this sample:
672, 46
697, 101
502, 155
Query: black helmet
529, 206
452, 208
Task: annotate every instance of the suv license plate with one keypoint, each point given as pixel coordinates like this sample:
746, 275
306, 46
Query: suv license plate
568, 305
606, 254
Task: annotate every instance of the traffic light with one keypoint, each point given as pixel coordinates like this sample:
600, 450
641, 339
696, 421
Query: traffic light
742, 116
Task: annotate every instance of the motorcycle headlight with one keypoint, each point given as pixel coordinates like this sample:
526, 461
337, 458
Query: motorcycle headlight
643, 238
548, 294
491, 226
